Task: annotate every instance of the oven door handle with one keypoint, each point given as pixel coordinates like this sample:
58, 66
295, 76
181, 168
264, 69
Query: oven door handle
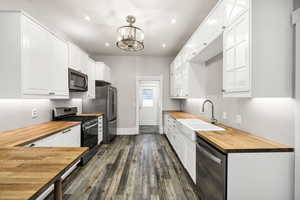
91, 126
209, 155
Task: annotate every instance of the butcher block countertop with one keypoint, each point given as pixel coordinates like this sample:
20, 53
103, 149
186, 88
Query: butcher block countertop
26, 172
26, 135
233, 140
92, 114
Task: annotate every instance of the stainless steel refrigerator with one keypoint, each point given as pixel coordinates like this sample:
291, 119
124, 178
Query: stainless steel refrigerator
105, 102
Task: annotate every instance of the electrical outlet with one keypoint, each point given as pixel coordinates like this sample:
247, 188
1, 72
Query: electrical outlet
34, 113
238, 119
224, 115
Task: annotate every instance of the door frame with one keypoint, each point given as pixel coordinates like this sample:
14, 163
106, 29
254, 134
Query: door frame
160, 100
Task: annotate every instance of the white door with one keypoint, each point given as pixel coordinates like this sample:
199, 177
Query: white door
149, 102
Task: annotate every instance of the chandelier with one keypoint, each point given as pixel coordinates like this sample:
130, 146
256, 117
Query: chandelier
130, 38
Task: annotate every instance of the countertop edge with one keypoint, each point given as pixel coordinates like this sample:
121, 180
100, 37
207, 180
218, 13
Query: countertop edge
45, 187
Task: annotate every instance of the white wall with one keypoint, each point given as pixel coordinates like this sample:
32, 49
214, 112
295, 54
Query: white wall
267, 117
16, 113
124, 71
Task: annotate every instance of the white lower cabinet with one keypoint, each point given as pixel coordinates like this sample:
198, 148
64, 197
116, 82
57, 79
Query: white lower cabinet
184, 147
67, 138
100, 129
267, 176
190, 159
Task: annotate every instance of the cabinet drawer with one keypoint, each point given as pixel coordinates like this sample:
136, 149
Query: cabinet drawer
67, 138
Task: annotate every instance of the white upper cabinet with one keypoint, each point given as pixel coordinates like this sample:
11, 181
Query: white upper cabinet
172, 80
91, 72
36, 51
234, 9
84, 62
33, 61
59, 82
255, 37
186, 81
103, 72
78, 58
236, 63
257, 55
75, 57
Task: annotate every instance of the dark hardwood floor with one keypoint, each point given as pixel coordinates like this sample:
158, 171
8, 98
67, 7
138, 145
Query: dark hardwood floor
132, 167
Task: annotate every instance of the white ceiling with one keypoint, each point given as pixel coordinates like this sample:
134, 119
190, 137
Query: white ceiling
153, 16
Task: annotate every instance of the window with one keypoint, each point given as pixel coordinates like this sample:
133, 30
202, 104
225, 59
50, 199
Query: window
147, 97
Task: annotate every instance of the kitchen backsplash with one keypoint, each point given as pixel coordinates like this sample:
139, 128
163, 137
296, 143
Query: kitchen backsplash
271, 118
17, 113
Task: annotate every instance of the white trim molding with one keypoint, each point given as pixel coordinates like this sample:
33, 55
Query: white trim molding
150, 78
127, 131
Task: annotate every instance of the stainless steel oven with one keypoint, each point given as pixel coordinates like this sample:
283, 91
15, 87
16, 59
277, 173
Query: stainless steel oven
89, 128
211, 172
78, 82
90, 133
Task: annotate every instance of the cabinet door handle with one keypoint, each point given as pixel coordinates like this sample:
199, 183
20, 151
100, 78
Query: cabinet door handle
67, 130
51, 93
209, 155
91, 126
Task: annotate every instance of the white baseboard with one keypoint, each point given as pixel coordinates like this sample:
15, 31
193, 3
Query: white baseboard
127, 131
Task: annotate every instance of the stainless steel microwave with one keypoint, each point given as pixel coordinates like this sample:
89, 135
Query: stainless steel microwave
78, 82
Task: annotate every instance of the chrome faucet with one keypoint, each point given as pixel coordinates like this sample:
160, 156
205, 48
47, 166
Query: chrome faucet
213, 119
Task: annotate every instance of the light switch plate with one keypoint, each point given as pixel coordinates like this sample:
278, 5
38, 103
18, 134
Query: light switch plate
34, 113
238, 119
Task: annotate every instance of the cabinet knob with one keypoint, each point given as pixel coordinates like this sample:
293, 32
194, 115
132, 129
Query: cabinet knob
223, 90
31, 145
51, 93
204, 43
223, 27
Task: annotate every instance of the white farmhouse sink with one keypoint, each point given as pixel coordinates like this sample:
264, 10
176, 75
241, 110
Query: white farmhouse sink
198, 125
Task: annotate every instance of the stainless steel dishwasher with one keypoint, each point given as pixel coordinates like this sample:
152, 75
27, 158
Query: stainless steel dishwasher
211, 172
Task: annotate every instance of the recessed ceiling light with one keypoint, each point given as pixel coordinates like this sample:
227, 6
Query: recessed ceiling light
173, 21
107, 44
164, 45
87, 18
